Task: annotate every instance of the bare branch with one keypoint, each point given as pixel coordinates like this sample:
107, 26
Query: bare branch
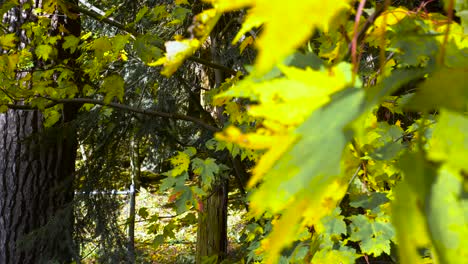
176, 116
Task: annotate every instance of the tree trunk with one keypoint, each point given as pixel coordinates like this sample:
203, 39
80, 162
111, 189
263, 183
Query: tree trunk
212, 222
212, 226
36, 169
35, 192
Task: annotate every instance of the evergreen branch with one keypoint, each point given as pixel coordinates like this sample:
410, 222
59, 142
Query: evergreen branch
93, 14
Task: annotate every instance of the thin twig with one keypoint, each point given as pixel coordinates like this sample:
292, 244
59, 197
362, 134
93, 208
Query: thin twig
355, 173
355, 38
365, 27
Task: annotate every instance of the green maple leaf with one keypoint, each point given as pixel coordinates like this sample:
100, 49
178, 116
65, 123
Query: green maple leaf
51, 116
100, 46
184, 202
374, 235
207, 169
304, 166
44, 51
344, 255
113, 85
167, 183
413, 42
370, 202
146, 47
71, 43
449, 142
334, 224
410, 224
7, 41
453, 95
446, 217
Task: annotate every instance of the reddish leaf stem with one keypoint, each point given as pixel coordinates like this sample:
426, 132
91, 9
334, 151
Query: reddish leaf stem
447, 30
354, 58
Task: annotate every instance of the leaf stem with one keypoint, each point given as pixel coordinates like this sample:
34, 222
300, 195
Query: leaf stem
354, 42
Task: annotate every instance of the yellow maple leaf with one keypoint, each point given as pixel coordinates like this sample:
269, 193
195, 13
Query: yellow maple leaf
257, 140
180, 162
384, 23
179, 50
306, 211
284, 231
287, 24
288, 101
323, 202
176, 53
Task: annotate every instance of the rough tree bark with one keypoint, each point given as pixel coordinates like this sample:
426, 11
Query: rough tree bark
212, 225
36, 170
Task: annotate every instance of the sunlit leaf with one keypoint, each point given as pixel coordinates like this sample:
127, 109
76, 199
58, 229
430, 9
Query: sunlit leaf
180, 162
281, 36
284, 231
343, 255
7, 41
408, 208
178, 51
373, 235
44, 51
289, 100
181, 2
304, 181
207, 169
51, 116
303, 165
384, 22
101, 45
251, 21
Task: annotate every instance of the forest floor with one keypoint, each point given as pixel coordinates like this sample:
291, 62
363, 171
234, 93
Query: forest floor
162, 236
